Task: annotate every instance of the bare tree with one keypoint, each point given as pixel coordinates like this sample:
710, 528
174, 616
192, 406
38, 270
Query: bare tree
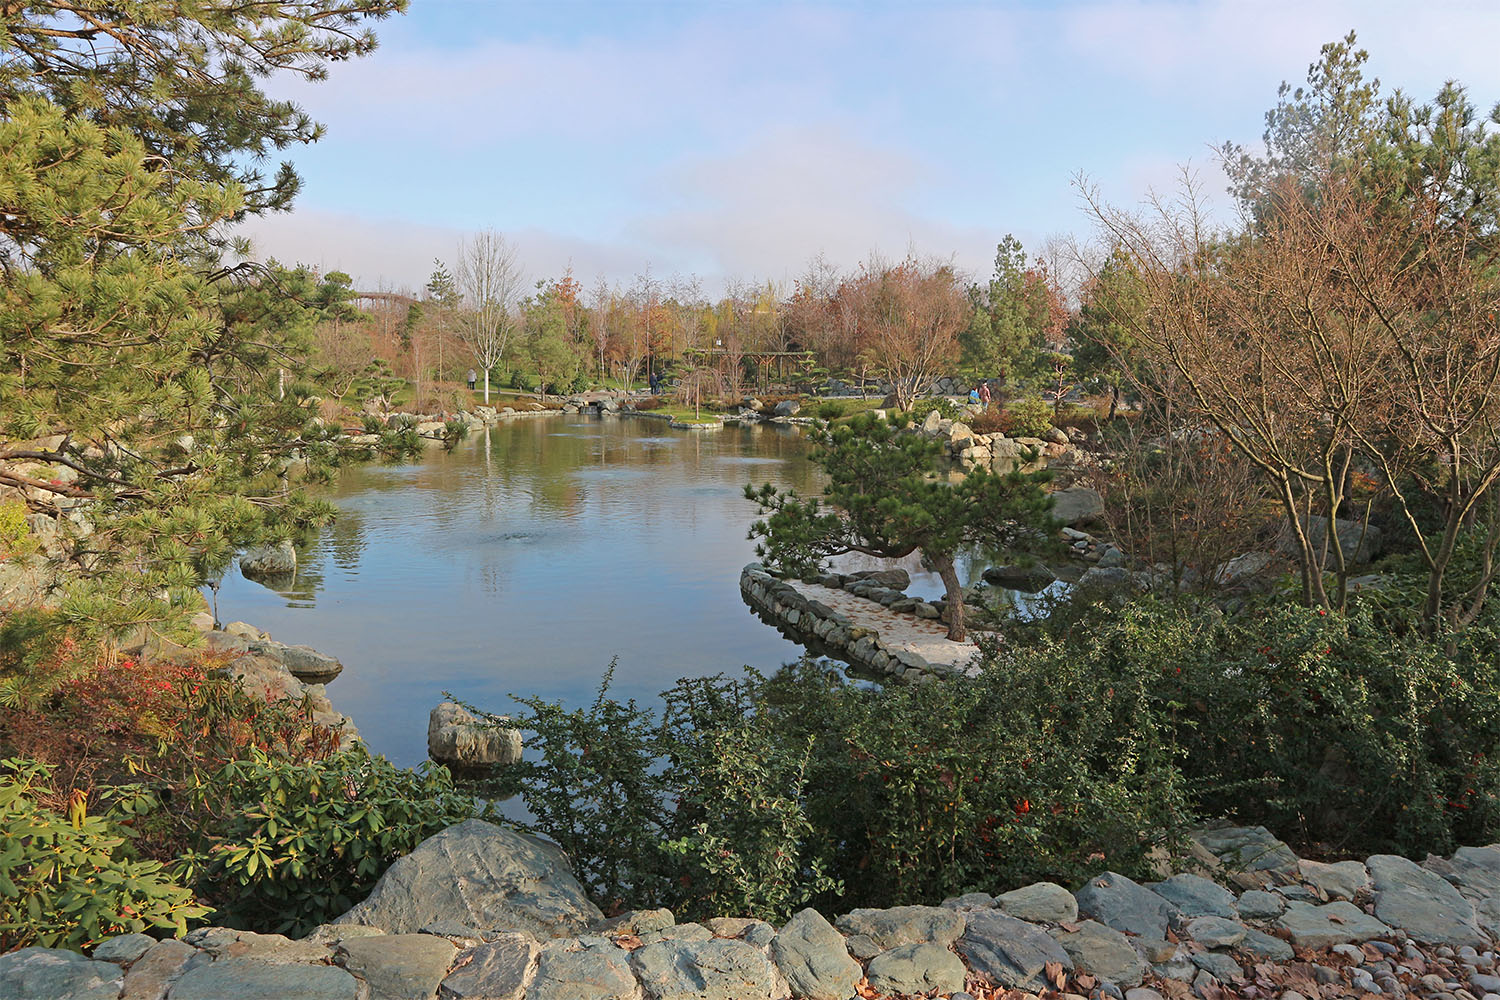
489, 276
911, 314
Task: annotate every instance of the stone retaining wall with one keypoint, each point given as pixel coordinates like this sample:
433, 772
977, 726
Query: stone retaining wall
1252, 921
816, 624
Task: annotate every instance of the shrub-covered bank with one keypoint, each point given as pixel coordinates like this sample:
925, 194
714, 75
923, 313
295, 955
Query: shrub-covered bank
1081, 747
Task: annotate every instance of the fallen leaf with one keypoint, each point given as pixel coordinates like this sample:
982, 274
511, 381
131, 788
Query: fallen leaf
1054, 974
1070, 928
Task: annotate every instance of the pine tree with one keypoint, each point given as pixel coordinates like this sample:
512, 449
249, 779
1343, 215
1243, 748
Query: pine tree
888, 495
139, 373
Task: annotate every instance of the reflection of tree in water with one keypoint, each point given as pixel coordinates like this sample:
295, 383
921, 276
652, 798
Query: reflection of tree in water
344, 540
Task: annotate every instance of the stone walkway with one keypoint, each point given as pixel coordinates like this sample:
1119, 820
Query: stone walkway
897, 630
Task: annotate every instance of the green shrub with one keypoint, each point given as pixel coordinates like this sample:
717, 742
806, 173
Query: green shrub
68, 881
759, 795
1349, 732
290, 845
830, 410
1028, 416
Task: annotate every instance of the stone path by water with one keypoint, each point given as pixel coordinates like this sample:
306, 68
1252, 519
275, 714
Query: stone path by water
897, 630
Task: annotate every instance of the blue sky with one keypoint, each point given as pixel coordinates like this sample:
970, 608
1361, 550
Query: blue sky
736, 140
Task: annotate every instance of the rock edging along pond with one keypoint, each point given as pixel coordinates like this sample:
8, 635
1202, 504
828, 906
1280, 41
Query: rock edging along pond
480, 911
855, 637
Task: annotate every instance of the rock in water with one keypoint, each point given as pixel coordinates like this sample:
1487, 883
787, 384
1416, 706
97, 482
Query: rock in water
455, 736
481, 875
269, 562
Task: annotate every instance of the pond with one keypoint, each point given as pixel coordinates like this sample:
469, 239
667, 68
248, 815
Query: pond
525, 560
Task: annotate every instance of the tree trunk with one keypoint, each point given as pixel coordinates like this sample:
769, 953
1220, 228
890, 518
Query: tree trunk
953, 593
486, 387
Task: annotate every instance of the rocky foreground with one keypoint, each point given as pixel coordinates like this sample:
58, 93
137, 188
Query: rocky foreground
480, 912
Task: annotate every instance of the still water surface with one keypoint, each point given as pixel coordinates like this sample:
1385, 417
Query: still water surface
526, 559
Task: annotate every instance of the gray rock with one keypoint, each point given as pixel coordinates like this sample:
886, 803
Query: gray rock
154, 972
399, 966
331, 934
787, 408
972, 901
1263, 944
1010, 951
862, 947
1030, 578
1041, 902
276, 948
1243, 568
1196, 896
814, 958
247, 979
1142, 993
124, 949
1216, 932
1121, 903
1105, 578
1258, 904
1340, 880
55, 974
916, 968
678, 932
1221, 967
1179, 965
1315, 927
1247, 848
740, 927
482, 875
1423, 904
1103, 951
1359, 542
718, 969
1204, 982
269, 563
1077, 505
496, 970
635, 922
1475, 870
308, 665
455, 736
901, 925
568, 971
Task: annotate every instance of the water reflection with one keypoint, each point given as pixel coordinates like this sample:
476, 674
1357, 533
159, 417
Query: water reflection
524, 560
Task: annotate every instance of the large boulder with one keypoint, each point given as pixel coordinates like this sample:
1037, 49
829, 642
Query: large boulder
481, 875
1423, 904
1359, 541
269, 563
814, 958
44, 973
1247, 849
1077, 505
717, 969
1127, 906
1010, 951
787, 408
1310, 926
1103, 951
455, 736
901, 925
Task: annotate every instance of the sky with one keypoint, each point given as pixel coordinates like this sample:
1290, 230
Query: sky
734, 141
